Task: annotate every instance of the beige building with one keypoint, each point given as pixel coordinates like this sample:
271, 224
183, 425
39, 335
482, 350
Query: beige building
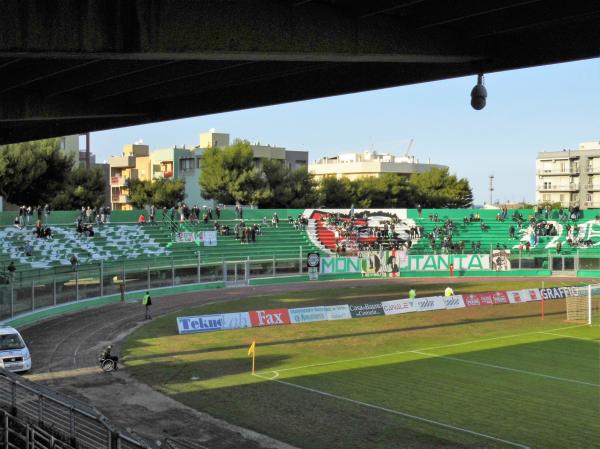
293, 159
138, 162
134, 163
367, 164
569, 177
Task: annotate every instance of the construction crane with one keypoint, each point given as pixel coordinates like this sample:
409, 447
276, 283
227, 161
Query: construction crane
410, 144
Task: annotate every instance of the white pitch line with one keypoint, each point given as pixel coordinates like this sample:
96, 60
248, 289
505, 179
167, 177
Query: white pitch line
505, 368
571, 336
396, 412
389, 354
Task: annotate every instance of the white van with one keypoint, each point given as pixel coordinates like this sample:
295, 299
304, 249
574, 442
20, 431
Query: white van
14, 354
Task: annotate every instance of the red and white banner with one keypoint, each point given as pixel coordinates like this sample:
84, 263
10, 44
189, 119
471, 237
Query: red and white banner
271, 317
486, 299
533, 294
471, 300
519, 296
500, 298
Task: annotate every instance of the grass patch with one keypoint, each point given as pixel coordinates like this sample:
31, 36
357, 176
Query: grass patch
478, 375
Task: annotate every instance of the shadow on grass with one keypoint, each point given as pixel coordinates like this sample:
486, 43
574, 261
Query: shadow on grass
450, 391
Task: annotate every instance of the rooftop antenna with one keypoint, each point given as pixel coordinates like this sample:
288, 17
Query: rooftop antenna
491, 189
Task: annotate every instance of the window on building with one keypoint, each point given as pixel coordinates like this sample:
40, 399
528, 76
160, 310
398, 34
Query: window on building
546, 197
562, 198
186, 164
588, 197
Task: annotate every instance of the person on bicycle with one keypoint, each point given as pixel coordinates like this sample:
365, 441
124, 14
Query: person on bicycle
106, 355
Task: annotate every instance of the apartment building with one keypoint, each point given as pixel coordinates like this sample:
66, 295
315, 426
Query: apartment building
138, 162
569, 177
367, 164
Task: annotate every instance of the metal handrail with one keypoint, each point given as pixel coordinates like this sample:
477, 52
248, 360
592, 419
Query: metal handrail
76, 421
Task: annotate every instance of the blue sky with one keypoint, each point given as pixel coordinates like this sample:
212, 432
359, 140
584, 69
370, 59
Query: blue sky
528, 110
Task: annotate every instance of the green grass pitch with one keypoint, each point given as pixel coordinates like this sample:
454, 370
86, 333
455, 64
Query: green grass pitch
487, 377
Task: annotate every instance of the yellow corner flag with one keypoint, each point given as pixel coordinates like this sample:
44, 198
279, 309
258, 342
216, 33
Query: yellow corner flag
252, 352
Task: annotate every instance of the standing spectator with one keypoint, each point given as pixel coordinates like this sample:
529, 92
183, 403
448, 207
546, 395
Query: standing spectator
74, 261
29, 212
420, 210
11, 271
152, 214
412, 294
218, 212
147, 302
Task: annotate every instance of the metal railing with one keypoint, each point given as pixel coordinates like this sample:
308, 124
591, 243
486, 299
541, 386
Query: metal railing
32, 290
63, 419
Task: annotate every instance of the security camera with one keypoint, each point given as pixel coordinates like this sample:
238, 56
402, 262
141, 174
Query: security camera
478, 94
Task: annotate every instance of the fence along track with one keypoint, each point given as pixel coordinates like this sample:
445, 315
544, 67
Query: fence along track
29, 408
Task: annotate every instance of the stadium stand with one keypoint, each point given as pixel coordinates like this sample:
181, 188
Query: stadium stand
126, 240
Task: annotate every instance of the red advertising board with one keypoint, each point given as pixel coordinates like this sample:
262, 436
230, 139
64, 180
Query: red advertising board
486, 299
500, 298
270, 317
471, 300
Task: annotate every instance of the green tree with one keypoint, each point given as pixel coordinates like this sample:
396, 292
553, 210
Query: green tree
230, 174
84, 187
140, 193
438, 189
389, 190
168, 192
336, 192
287, 187
304, 189
33, 172
160, 192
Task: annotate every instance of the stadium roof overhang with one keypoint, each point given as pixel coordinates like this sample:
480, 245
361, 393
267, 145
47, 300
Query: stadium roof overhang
70, 66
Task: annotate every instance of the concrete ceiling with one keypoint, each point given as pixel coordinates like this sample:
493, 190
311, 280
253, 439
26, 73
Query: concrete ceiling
71, 66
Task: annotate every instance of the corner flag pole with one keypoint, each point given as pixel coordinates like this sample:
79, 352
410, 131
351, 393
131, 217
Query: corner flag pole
542, 302
252, 351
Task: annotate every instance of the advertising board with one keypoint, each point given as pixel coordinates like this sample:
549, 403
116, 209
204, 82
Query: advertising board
307, 314
367, 309
340, 312
210, 323
270, 317
471, 300
430, 303
454, 302
397, 306
500, 298
559, 292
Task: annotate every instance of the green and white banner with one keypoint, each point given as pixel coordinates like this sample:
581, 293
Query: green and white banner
391, 263
332, 265
441, 262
